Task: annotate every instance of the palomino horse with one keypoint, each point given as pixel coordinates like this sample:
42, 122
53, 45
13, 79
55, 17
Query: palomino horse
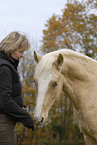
74, 74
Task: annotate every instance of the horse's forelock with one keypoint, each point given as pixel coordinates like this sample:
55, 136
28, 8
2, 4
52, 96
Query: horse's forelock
45, 64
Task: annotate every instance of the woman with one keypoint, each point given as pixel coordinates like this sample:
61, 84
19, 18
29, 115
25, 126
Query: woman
11, 104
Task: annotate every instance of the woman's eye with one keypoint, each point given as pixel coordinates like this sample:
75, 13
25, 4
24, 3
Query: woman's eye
20, 52
54, 84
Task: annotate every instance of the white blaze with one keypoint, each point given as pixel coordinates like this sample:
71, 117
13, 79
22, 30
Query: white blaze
43, 83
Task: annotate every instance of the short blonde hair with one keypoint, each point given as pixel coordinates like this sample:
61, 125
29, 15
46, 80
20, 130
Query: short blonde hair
13, 42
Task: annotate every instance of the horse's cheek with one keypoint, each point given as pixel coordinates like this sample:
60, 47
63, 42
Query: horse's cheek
59, 89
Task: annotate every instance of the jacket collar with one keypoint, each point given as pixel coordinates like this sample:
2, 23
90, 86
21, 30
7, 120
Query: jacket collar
10, 59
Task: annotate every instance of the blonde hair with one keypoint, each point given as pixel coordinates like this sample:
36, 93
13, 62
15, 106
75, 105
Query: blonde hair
13, 42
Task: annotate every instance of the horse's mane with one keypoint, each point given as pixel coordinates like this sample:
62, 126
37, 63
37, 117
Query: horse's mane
45, 63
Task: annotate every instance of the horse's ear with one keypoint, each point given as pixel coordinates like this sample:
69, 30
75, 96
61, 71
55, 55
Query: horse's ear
37, 57
59, 61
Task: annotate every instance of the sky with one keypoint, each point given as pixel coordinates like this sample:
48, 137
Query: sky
28, 16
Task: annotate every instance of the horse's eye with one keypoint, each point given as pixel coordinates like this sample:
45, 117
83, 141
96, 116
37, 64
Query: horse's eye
34, 81
54, 84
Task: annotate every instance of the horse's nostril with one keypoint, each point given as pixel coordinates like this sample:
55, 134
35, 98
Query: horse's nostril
42, 119
38, 121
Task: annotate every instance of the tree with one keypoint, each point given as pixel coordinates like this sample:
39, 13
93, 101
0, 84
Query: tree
26, 71
75, 29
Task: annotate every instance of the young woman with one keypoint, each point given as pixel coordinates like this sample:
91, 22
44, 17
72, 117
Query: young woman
11, 104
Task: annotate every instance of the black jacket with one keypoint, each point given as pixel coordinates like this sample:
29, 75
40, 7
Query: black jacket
10, 91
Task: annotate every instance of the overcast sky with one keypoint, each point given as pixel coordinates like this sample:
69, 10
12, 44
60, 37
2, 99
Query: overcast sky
28, 16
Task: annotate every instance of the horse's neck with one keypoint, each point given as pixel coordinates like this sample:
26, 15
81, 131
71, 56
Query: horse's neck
80, 75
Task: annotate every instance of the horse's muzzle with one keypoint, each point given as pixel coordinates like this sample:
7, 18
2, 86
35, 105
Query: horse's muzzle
38, 121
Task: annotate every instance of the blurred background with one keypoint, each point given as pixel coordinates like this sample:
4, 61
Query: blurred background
50, 25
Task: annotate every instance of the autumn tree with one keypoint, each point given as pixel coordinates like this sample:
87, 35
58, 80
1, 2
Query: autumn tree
75, 29
26, 71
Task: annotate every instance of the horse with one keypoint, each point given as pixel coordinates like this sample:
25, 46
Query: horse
74, 74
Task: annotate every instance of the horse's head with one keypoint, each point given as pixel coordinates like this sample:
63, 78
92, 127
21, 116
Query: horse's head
49, 83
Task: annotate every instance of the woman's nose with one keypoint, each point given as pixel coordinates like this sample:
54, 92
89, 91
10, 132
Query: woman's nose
22, 55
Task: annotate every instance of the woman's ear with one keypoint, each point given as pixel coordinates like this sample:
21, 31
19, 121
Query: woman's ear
37, 57
59, 61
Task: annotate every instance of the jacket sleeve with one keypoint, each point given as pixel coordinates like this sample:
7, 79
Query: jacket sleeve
8, 105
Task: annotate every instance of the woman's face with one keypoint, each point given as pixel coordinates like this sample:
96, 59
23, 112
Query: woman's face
18, 54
